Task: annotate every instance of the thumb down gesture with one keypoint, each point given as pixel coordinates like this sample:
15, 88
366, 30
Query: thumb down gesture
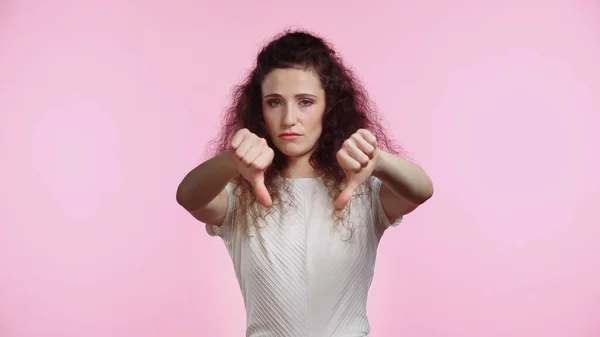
357, 157
252, 156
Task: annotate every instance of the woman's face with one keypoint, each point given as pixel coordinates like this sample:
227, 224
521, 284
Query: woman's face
293, 104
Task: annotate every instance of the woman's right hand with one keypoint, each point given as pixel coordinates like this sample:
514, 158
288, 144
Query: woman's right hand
252, 156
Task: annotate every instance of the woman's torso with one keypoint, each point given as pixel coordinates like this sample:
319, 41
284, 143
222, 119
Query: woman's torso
301, 274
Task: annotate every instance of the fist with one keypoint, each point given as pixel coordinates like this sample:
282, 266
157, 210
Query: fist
358, 158
252, 156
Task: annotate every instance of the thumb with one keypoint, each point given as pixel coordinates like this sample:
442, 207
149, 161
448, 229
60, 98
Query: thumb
262, 194
346, 195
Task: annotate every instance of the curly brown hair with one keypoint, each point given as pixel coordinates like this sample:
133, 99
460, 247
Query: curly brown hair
347, 110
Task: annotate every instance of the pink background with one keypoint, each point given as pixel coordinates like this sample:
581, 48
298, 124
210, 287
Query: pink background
105, 105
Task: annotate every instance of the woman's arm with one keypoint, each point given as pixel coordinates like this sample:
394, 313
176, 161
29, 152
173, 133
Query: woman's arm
202, 191
405, 185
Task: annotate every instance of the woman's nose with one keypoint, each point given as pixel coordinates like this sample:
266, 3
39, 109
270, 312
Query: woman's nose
289, 117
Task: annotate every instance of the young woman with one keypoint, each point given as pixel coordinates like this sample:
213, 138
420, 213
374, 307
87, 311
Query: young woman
301, 186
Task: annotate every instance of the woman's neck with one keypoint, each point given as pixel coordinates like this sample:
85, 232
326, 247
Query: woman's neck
300, 168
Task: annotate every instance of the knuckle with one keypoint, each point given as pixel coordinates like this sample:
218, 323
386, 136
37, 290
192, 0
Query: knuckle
259, 166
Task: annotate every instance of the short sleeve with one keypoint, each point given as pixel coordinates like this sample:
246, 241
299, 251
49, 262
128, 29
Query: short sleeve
224, 229
380, 218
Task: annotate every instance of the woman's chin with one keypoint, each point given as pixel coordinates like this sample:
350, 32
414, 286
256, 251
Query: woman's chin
293, 150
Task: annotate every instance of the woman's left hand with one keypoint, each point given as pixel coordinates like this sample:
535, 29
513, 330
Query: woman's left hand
358, 157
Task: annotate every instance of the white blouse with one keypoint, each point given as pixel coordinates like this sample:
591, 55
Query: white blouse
299, 275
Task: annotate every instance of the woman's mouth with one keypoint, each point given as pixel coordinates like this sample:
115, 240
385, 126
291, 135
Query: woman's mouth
290, 135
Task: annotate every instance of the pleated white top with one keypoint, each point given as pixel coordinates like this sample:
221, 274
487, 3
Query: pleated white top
301, 276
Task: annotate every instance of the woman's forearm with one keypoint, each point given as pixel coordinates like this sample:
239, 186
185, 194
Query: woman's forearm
404, 178
204, 183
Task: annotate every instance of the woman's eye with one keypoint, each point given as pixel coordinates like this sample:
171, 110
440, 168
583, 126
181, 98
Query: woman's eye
273, 103
305, 102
